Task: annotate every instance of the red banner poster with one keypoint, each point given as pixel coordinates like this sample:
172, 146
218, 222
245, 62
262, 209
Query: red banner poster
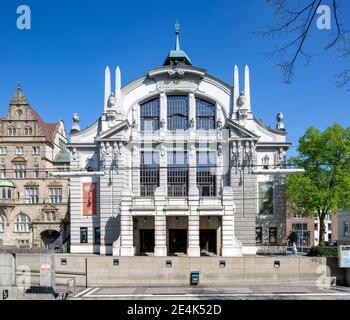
89, 198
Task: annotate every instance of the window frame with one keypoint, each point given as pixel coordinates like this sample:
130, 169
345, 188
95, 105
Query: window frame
22, 226
150, 113
178, 119
85, 239
203, 116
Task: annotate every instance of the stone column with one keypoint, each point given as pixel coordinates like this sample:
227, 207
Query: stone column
136, 171
193, 249
192, 110
160, 249
231, 247
163, 111
127, 248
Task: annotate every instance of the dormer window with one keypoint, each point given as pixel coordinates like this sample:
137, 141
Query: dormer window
11, 131
28, 131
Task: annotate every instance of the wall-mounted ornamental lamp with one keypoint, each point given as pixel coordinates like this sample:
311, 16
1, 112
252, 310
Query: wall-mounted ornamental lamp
222, 264
168, 263
276, 264
115, 262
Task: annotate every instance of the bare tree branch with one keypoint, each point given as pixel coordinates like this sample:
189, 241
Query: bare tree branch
295, 19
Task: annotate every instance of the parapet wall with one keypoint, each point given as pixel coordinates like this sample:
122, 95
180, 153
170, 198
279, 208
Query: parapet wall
105, 271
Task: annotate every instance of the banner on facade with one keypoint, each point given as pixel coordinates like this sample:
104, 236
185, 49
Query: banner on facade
89, 198
344, 256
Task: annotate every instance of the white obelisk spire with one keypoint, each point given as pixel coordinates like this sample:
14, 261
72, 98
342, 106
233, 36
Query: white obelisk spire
118, 86
108, 85
235, 89
247, 87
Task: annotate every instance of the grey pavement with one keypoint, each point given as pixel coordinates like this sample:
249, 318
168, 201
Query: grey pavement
210, 293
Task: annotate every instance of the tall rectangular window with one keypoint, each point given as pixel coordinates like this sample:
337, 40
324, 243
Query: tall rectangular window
149, 173
36, 171
149, 115
55, 195
3, 151
83, 235
206, 178
346, 228
20, 170
258, 235
3, 171
177, 174
265, 197
273, 235
178, 113
205, 115
97, 235
32, 195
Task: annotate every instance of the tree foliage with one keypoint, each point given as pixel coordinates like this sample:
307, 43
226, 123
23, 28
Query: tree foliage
325, 185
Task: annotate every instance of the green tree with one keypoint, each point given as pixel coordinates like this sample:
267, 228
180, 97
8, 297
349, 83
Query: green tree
325, 185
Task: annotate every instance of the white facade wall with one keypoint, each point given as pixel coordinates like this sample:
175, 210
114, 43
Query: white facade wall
112, 146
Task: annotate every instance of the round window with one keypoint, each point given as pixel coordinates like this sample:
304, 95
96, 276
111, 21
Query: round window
19, 112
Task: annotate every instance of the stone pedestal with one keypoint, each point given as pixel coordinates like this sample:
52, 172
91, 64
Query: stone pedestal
231, 247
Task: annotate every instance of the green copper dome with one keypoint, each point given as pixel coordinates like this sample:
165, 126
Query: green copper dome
7, 183
62, 156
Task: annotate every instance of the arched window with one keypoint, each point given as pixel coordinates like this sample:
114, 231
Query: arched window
2, 223
205, 115
22, 223
11, 131
28, 131
177, 113
149, 115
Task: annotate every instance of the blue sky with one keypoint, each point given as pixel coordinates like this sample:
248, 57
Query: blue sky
61, 61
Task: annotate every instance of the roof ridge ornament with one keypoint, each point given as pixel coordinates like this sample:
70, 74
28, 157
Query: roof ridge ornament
177, 57
177, 32
19, 98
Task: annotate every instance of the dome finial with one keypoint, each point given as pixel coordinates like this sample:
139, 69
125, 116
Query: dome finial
177, 32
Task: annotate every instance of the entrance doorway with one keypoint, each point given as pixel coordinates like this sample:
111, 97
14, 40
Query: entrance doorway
51, 239
177, 241
208, 241
147, 241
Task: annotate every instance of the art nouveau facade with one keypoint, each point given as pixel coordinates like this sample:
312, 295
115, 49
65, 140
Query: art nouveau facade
171, 167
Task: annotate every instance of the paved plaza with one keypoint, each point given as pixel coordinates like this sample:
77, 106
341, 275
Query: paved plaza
210, 293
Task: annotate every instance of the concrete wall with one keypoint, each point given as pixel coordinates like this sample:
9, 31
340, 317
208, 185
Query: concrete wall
152, 271
7, 269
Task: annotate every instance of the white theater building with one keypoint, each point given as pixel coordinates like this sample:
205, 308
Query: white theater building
174, 166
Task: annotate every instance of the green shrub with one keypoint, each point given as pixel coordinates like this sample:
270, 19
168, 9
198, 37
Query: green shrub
323, 251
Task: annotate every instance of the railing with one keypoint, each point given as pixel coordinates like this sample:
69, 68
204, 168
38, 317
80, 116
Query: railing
7, 201
177, 190
147, 190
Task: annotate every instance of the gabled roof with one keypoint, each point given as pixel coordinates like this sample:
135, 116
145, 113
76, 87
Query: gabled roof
20, 100
107, 134
245, 132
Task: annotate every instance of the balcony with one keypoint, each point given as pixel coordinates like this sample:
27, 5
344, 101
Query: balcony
177, 191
